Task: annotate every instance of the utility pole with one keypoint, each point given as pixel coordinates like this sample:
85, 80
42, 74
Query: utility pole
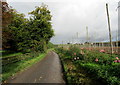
77, 34
110, 35
87, 38
62, 44
117, 40
95, 40
102, 42
77, 37
72, 40
87, 34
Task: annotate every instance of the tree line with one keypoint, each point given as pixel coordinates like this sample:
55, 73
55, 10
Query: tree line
26, 34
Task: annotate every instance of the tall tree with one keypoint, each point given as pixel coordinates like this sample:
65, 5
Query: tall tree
17, 26
40, 21
6, 14
29, 35
12, 22
6, 20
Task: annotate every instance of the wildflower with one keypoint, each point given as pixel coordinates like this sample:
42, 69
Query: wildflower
96, 59
113, 51
117, 58
74, 53
89, 48
81, 48
102, 50
78, 58
68, 48
115, 61
81, 52
5, 82
75, 58
118, 61
71, 67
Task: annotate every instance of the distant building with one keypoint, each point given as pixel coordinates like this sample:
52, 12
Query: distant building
107, 43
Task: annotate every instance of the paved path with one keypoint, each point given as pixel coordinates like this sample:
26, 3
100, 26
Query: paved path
47, 70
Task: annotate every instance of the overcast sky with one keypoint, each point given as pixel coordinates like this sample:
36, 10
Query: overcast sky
70, 17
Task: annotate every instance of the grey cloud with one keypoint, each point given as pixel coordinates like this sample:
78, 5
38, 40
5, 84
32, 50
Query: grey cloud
69, 18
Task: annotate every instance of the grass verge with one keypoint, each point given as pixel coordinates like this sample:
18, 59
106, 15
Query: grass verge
12, 69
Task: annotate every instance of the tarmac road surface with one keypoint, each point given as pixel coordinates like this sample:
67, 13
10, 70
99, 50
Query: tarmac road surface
48, 70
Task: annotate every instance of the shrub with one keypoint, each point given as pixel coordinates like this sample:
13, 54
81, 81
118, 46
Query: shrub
99, 65
50, 45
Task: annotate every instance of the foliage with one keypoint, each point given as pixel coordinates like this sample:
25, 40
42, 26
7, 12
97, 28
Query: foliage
50, 45
40, 21
97, 65
31, 34
6, 14
9, 53
6, 20
17, 25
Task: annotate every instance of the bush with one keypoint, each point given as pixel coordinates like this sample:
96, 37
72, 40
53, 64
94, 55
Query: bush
100, 66
50, 45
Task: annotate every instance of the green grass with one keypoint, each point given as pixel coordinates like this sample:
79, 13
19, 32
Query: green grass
12, 69
51, 49
1, 51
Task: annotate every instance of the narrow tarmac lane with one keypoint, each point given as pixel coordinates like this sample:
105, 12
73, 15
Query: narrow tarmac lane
48, 70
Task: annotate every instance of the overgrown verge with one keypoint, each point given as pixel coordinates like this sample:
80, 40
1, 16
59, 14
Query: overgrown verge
89, 67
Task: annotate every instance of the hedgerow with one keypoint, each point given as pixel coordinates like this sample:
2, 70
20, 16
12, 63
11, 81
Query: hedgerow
99, 66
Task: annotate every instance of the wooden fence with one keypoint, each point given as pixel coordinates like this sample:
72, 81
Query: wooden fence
14, 59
